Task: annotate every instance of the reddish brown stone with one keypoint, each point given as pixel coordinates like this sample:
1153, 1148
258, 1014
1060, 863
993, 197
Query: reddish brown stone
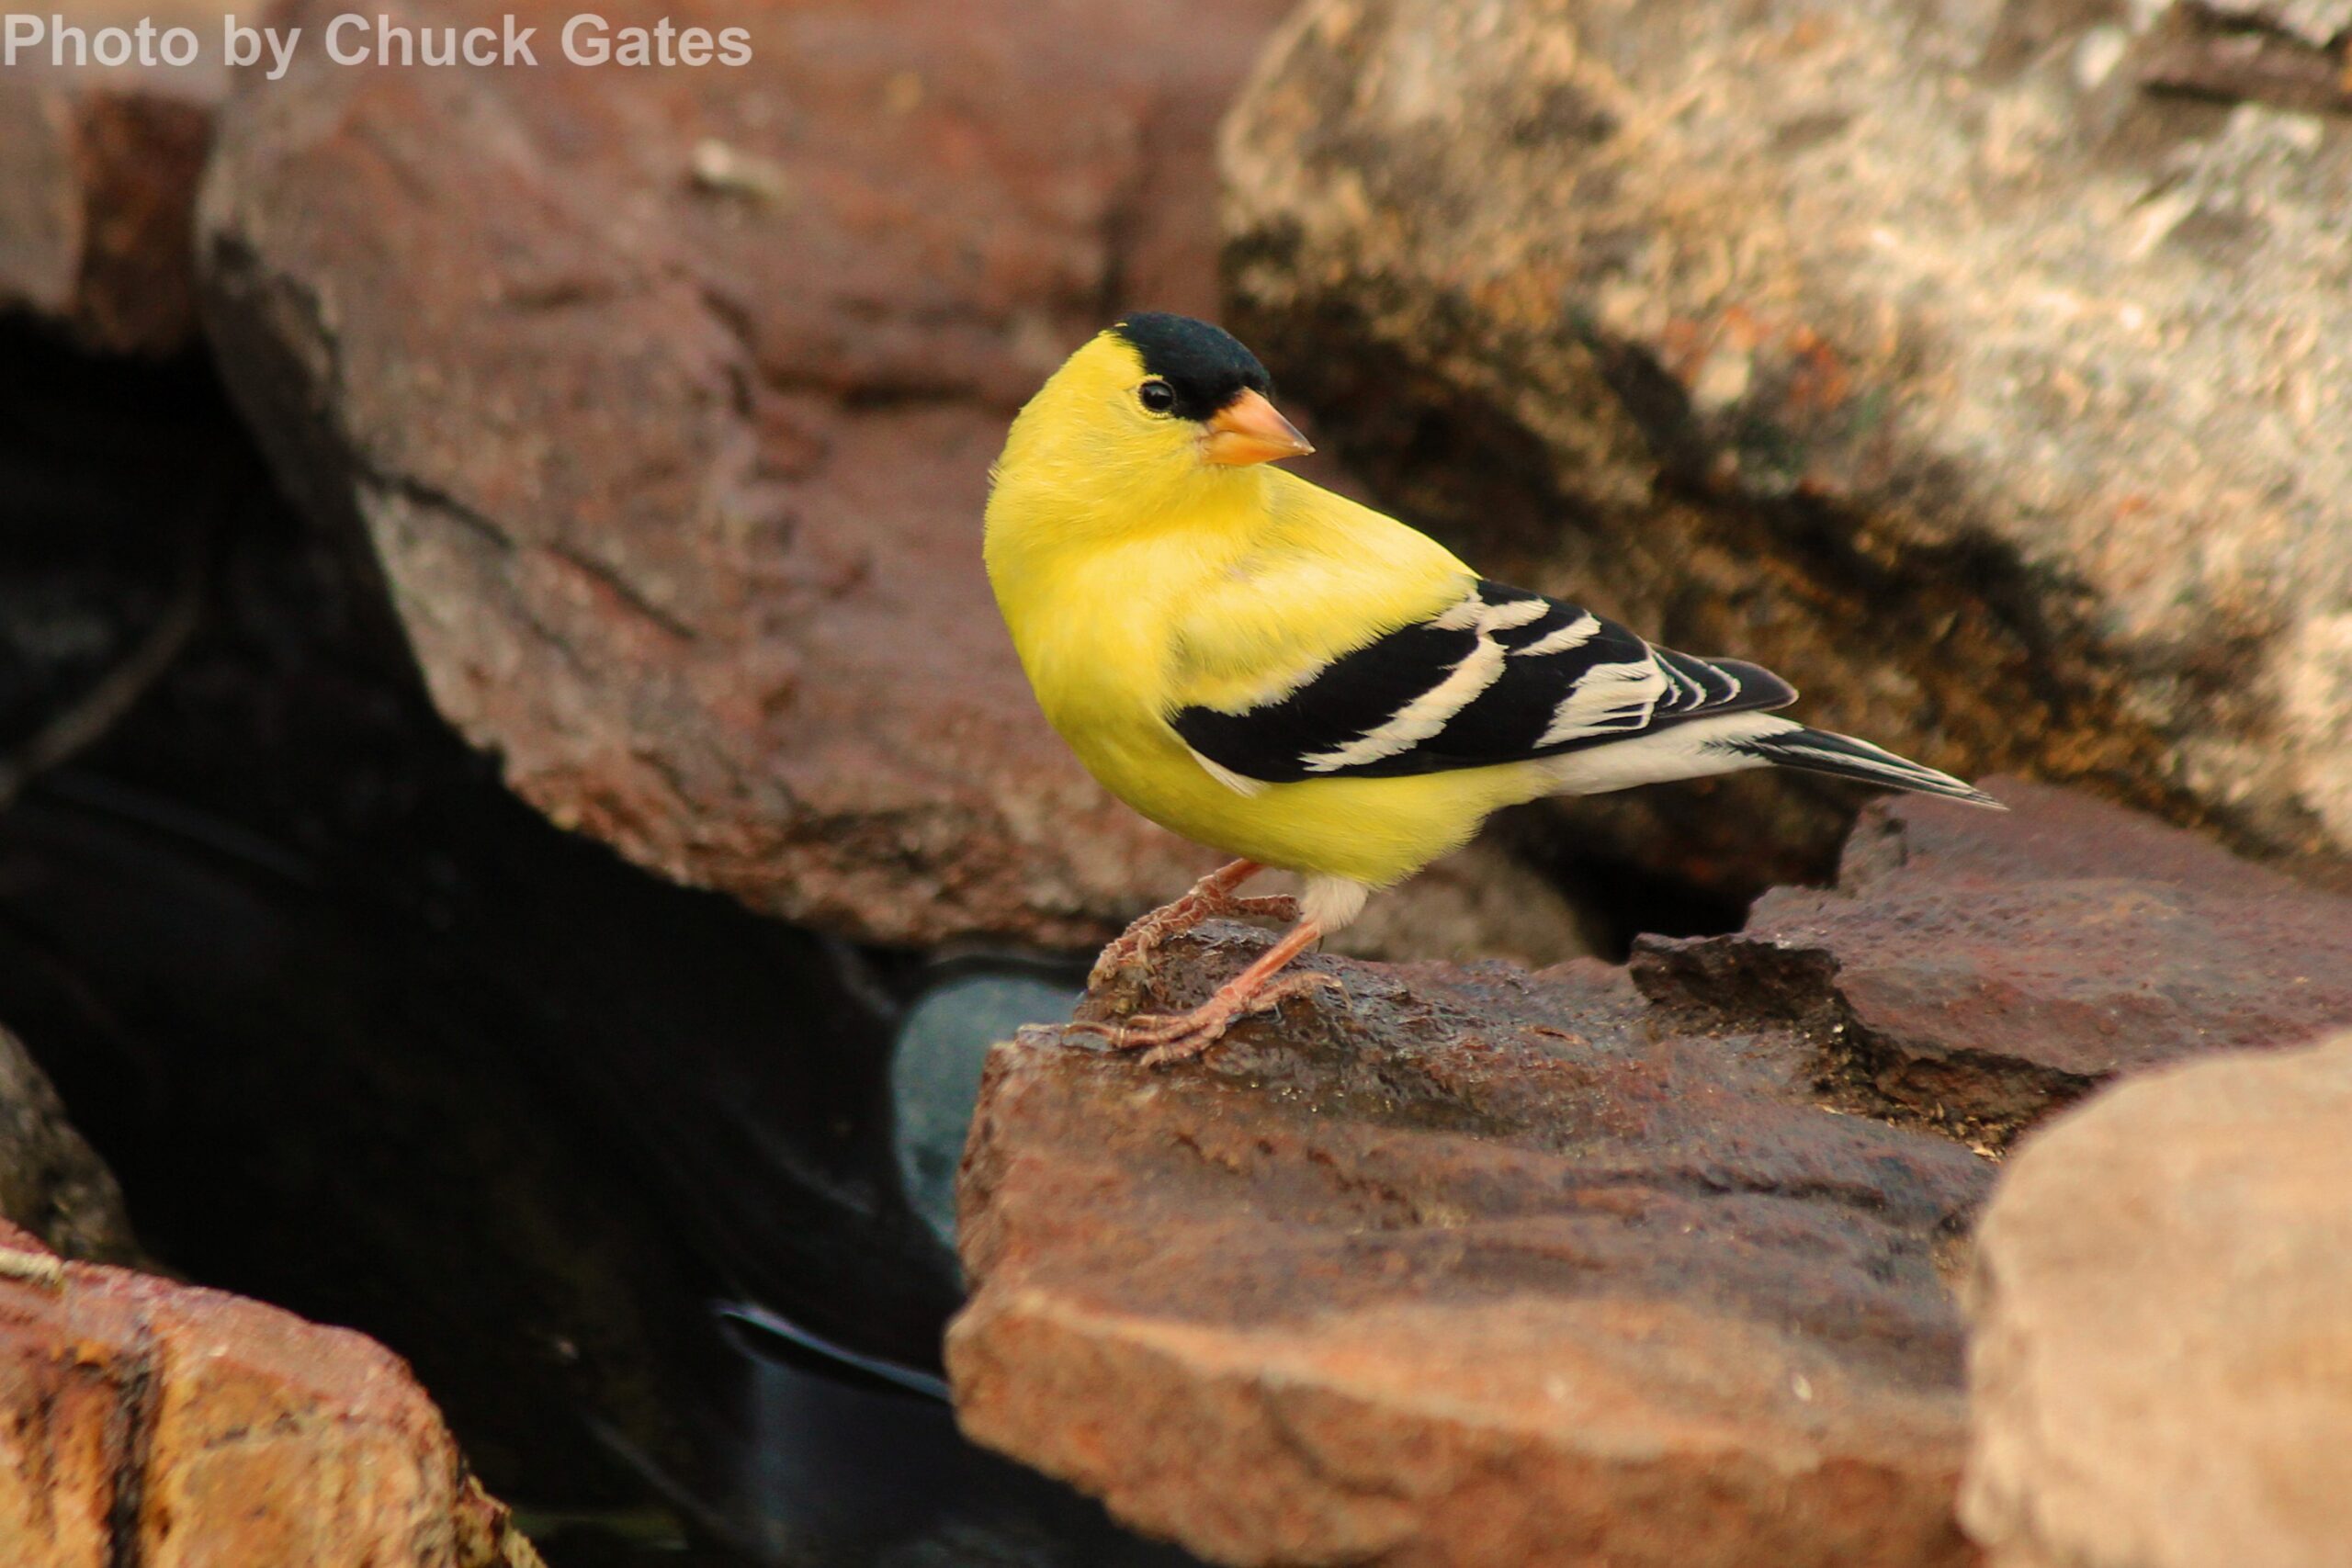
1478, 1267
668, 400
1980, 969
98, 174
142, 1421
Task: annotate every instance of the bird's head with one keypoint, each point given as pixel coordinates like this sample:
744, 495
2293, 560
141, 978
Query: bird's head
1155, 406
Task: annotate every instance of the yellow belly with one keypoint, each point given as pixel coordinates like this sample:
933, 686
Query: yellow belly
1121, 620
1375, 831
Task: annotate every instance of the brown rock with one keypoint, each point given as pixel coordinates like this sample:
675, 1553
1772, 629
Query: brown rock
1982, 969
99, 171
1933, 357
1479, 902
164, 1425
2161, 1367
51, 1183
668, 404
1481, 1267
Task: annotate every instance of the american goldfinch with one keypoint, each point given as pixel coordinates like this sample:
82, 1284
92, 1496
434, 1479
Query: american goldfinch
1294, 679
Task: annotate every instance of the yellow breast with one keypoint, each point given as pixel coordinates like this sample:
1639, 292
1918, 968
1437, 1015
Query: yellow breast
1226, 604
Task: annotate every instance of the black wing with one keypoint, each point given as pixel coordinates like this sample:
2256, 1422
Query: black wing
1503, 676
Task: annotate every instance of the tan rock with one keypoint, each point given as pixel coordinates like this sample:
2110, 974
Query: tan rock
142, 1421
1935, 357
2161, 1367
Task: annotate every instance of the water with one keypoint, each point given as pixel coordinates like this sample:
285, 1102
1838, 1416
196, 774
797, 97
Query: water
852, 1464
935, 1065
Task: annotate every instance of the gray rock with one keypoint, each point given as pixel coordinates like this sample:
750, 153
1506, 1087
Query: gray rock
1925, 354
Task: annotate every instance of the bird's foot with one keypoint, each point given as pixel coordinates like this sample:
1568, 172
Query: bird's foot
1178, 1037
1211, 896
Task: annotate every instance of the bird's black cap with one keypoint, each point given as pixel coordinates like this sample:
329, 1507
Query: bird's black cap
1206, 365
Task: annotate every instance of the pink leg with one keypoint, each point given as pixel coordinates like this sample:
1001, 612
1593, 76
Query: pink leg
1180, 1036
1210, 897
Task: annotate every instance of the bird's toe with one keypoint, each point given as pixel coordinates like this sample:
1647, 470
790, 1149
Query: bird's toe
1184, 1047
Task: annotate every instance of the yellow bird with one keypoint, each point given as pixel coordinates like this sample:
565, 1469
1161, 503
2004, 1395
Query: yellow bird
1296, 680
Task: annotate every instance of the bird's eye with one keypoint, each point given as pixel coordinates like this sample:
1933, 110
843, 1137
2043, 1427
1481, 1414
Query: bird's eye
1157, 395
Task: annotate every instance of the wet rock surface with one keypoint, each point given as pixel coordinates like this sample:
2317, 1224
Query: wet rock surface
2158, 1367
1978, 368
668, 409
143, 1421
1982, 972
1642, 1264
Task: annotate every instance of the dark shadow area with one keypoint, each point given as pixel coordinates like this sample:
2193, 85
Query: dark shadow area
365, 1037
1632, 901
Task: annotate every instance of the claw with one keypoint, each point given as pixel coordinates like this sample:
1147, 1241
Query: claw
1210, 897
1165, 1038
1176, 1037
1167, 1055
1187, 1035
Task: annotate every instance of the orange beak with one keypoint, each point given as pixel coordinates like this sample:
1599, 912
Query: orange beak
1251, 430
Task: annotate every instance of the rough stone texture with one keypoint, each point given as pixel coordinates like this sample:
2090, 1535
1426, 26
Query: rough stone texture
2162, 1366
1486, 1267
178, 1428
1979, 970
51, 1183
669, 407
1588, 1265
1932, 355
99, 171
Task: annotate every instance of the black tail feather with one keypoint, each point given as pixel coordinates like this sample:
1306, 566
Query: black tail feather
1842, 756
